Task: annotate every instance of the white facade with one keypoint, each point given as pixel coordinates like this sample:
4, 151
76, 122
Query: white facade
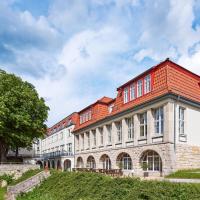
57, 150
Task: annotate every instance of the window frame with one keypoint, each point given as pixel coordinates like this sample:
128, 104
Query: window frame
126, 91
147, 84
119, 131
139, 88
159, 121
144, 124
132, 92
130, 124
181, 120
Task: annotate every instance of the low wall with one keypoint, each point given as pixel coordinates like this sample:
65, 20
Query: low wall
27, 185
16, 169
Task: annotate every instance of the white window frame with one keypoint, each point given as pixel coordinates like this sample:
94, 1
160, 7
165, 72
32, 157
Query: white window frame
88, 139
181, 120
94, 138
159, 120
119, 131
126, 95
143, 124
147, 84
139, 88
130, 124
101, 135
132, 91
109, 128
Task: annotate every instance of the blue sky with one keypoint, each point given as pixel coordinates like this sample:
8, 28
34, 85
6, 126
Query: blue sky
75, 52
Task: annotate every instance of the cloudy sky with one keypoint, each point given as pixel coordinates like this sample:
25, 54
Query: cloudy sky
76, 51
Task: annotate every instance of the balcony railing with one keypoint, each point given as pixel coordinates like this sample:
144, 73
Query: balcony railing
55, 154
111, 172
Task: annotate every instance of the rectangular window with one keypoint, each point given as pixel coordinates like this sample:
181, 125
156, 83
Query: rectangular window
101, 135
143, 125
94, 138
119, 131
181, 121
69, 147
132, 92
110, 108
88, 139
130, 123
69, 133
81, 119
82, 137
147, 83
139, 88
125, 95
78, 143
109, 128
159, 121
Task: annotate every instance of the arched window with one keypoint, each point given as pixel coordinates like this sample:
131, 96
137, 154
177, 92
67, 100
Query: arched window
106, 162
151, 161
124, 161
79, 163
91, 162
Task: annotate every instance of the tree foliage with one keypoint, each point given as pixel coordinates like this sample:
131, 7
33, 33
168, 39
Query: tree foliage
22, 113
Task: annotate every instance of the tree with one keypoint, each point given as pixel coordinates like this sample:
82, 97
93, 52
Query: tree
22, 114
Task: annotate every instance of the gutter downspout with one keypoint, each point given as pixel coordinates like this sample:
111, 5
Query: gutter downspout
175, 106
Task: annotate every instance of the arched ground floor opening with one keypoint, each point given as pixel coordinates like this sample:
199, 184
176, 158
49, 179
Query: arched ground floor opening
39, 162
124, 161
59, 167
67, 165
105, 162
151, 162
79, 162
91, 163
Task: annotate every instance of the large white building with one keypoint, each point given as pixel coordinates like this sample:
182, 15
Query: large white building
151, 127
56, 150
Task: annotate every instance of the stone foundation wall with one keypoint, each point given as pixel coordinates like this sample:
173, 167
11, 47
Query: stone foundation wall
187, 156
16, 169
165, 150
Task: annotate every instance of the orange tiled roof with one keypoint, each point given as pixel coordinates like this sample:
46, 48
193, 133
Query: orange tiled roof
167, 77
71, 119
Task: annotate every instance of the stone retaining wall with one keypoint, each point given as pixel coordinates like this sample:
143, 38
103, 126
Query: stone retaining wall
27, 185
16, 169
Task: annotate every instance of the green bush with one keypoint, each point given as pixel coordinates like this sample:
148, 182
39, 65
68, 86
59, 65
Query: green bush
6, 177
91, 186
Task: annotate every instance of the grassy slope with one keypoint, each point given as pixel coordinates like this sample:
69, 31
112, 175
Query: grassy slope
2, 193
188, 174
88, 186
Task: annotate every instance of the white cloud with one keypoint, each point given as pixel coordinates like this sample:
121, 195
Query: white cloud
83, 50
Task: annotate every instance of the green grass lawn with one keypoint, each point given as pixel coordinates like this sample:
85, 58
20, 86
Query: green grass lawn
188, 174
2, 193
91, 186
25, 176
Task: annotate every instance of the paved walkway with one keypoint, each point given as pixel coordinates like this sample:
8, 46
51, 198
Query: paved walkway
175, 180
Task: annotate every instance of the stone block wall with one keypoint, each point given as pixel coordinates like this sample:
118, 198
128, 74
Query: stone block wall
165, 150
187, 156
16, 169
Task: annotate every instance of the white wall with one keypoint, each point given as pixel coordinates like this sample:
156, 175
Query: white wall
192, 125
55, 141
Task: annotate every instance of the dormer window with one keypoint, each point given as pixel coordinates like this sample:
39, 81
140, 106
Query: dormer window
86, 116
139, 88
132, 92
147, 84
125, 95
110, 108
